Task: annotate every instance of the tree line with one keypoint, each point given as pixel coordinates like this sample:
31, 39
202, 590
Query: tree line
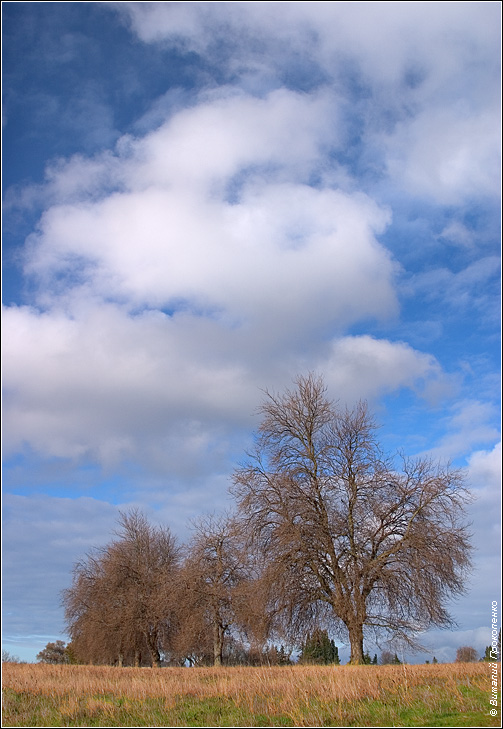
328, 533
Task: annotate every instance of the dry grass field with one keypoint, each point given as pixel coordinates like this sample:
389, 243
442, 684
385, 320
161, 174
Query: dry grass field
422, 695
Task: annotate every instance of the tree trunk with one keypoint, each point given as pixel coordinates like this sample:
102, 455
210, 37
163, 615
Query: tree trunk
218, 643
155, 656
356, 640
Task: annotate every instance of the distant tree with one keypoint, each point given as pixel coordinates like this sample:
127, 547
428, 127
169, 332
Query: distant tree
281, 657
374, 660
351, 537
434, 660
9, 658
493, 653
389, 658
319, 648
487, 654
466, 654
54, 653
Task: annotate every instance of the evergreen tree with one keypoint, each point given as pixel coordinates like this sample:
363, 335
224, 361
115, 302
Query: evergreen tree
318, 648
487, 654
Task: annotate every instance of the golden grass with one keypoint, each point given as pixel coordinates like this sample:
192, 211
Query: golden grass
300, 694
324, 682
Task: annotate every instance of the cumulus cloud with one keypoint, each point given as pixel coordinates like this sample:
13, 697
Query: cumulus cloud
186, 269
367, 368
440, 132
183, 272
213, 209
166, 389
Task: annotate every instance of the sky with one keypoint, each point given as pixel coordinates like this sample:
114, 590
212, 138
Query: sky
204, 200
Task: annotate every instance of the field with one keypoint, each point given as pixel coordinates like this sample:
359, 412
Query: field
423, 695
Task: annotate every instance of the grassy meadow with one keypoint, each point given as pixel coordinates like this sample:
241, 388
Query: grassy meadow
420, 695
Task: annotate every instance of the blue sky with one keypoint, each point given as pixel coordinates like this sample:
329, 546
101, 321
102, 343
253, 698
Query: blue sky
203, 200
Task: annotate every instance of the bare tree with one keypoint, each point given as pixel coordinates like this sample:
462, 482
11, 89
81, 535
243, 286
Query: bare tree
213, 570
9, 658
91, 611
466, 654
350, 537
144, 561
120, 607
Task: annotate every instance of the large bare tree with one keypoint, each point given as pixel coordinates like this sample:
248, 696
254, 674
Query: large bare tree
349, 535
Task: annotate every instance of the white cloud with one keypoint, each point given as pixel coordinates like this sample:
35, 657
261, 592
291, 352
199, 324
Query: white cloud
287, 251
458, 234
470, 423
473, 288
447, 155
485, 469
105, 383
484, 478
431, 122
190, 268
382, 36
177, 391
211, 213
367, 368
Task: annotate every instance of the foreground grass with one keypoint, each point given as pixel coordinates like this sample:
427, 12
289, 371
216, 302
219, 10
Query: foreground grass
436, 695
